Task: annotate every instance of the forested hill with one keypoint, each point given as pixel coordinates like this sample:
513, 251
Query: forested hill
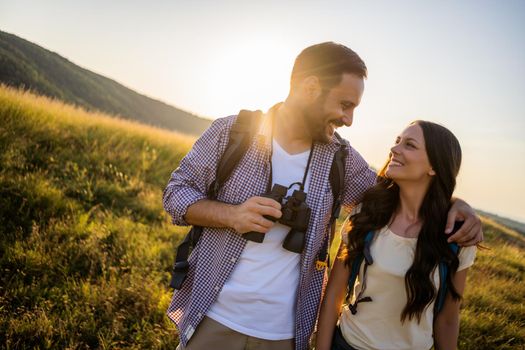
27, 65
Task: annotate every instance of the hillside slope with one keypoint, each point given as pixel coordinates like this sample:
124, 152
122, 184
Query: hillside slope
86, 247
24, 64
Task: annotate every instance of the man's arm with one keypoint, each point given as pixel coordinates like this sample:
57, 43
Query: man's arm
245, 217
190, 181
359, 177
471, 231
185, 195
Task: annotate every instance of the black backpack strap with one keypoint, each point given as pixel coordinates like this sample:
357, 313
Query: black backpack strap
336, 178
181, 265
241, 135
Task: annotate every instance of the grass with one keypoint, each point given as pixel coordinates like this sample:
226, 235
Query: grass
493, 313
86, 248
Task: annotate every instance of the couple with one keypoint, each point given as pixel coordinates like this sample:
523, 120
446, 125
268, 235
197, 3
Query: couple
241, 294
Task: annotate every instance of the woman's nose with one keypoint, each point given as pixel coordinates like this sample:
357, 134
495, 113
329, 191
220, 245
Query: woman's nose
394, 149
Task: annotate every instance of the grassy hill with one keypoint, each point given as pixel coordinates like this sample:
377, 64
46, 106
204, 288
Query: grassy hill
24, 64
86, 248
513, 224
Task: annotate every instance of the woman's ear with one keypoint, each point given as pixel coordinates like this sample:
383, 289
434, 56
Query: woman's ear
431, 172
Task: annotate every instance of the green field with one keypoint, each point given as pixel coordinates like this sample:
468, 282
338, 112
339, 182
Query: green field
86, 248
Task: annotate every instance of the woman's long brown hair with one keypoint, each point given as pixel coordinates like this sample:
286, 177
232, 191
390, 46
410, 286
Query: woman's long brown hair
381, 201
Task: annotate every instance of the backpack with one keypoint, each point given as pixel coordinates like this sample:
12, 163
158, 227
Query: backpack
241, 134
367, 258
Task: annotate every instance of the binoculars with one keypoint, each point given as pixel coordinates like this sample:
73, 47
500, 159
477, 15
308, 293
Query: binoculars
296, 214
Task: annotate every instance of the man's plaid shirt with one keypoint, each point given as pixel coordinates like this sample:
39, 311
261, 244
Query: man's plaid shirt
218, 250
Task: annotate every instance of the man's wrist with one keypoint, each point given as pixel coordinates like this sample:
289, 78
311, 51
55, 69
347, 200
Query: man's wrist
228, 218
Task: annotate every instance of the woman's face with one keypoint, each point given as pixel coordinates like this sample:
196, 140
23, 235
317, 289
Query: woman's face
408, 158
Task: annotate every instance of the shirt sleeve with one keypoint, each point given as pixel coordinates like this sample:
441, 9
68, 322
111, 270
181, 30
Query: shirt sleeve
359, 177
344, 226
197, 170
466, 257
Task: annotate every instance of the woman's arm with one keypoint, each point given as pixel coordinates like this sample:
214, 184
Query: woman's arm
332, 302
446, 324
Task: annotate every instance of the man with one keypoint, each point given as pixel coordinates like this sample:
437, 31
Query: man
240, 294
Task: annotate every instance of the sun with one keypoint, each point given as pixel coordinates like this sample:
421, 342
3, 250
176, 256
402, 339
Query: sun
253, 76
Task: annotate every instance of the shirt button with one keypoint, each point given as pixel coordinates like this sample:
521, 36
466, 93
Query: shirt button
216, 288
199, 315
232, 260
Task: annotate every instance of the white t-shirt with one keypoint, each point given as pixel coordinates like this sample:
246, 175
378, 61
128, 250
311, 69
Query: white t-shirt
377, 324
259, 298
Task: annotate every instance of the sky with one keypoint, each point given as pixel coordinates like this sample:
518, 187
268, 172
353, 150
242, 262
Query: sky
458, 63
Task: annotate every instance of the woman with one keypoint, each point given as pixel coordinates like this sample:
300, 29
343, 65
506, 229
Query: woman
393, 305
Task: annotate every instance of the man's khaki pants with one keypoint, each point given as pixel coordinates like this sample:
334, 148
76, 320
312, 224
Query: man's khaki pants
211, 335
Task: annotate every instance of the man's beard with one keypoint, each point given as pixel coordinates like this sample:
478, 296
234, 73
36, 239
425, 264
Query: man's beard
315, 121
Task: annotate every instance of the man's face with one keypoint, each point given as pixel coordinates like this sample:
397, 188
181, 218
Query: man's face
333, 108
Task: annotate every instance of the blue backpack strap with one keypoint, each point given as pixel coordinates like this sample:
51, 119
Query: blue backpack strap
443, 274
356, 264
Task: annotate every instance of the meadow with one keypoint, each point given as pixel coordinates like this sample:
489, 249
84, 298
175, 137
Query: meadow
86, 247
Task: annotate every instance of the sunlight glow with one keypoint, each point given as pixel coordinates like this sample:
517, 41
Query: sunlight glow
254, 76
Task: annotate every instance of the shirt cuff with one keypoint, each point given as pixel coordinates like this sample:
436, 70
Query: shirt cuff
466, 257
186, 197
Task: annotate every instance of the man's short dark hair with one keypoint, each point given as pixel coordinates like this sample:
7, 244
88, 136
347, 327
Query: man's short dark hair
327, 61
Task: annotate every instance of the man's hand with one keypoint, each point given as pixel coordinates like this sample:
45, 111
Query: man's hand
249, 216
470, 232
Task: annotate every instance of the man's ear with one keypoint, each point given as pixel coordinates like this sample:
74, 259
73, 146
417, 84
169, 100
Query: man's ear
311, 87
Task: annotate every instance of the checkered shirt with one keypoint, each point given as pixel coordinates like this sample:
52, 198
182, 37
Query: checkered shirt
218, 250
